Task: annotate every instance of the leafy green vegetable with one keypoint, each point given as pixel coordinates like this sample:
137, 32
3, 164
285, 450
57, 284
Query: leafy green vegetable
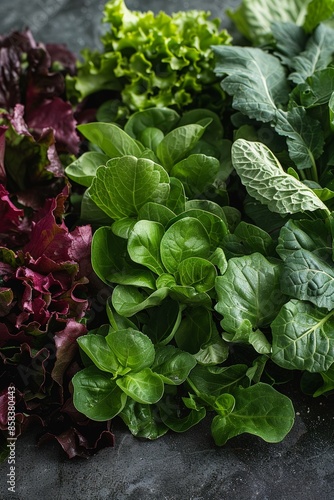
153, 60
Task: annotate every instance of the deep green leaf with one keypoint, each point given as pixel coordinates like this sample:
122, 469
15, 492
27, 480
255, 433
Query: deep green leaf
259, 410
303, 337
249, 290
144, 245
128, 300
172, 364
96, 395
307, 277
185, 238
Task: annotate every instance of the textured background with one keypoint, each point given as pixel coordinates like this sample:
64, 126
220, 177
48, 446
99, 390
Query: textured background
176, 467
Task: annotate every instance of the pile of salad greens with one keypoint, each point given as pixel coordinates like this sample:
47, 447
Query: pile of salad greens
195, 194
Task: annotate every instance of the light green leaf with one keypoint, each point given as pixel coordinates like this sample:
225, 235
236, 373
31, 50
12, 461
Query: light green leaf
143, 387
265, 180
215, 226
123, 227
96, 347
185, 238
128, 300
259, 410
125, 184
156, 212
177, 143
132, 348
177, 198
111, 139
303, 337
144, 245
83, 169
162, 118
318, 11
197, 272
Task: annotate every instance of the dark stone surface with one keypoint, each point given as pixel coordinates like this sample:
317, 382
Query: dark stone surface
176, 467
78, 22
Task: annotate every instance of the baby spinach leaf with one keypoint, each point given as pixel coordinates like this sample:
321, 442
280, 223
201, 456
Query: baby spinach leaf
143, 420
143, 386
163, 119
156, 212
197, 272
245, 334
212, 381
173, 365
197, 173
128, 300
90, 212
123, 227
303, 337
177, 198
195, 329
132, 348
111, 139
249, 290
265, 180
144, 245
177, 143
214, 352
83, 169
98, 350
111, 264
125, 184
246, 240
170, 415
163, 322
307, 277
185, 238
259, 410
96, 395
215, 226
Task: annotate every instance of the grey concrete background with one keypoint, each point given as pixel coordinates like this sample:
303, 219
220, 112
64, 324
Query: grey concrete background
176, 467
